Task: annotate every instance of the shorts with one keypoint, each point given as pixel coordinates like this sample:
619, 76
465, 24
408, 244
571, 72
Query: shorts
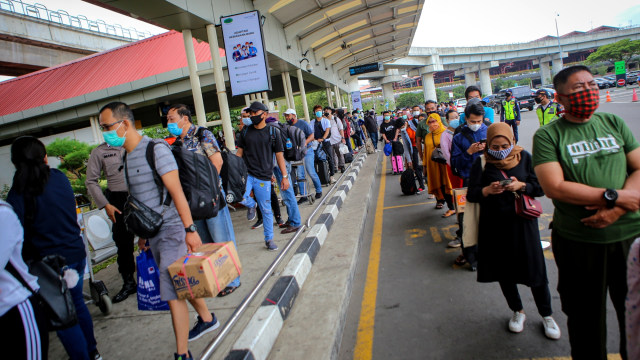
168, 246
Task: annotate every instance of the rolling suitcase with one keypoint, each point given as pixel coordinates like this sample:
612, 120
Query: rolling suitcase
322, 168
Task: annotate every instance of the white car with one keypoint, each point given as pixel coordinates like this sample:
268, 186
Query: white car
460, 105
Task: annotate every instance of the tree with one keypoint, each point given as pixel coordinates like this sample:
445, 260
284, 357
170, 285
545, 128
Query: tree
409, 100
73, 156
620, 50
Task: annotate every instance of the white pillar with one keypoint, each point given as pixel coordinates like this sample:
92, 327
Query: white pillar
485, 82
469, 79
221, 88
194, 79
95, 129
303, 95
556, 65
387, 93
329, 98
265, 98
336, 93
545, 73
287, 77
429, 87
252, 97
247, 100
286, 90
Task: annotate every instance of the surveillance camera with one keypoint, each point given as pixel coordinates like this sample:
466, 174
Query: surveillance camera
309, 67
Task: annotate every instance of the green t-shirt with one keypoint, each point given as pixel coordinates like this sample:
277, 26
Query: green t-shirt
594, 154
422, 129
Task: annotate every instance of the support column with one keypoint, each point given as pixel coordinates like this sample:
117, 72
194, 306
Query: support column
287, 77
194, 79
252, 97
286, 90
265, 98
336, 92
469, 79
556, 65
429, 87
329, 98
387, 93
95, 129
221, 88
545, 73
485, 82
303, 94
247, 100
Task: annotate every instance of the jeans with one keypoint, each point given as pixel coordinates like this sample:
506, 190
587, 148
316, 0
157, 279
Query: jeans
309, 160
218, 229
79, 340
262, 192
289, 198
374, 139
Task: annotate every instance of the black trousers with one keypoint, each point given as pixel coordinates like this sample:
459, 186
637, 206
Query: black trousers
418, 168
275, 206
541, 296
122, 237
328, 149
585, 272
25, 333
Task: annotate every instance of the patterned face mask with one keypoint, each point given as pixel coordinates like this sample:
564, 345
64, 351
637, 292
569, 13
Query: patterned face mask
582, 104
500, 154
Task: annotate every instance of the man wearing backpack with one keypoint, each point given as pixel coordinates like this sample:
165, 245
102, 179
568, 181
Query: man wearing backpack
309, 158
336, 138
257, 148
371, 125
200, 140
178, 234
321, 132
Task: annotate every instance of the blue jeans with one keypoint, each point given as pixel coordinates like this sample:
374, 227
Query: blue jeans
308, 160
262, 192
79, 340
218, 229
374, 139
289, 198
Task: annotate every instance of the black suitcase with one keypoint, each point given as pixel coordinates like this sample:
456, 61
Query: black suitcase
348, 158
322, 168
408, 182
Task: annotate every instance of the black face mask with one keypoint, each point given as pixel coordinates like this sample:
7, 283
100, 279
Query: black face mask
431, 112
290, 122
257, 119
538, 100
326, 114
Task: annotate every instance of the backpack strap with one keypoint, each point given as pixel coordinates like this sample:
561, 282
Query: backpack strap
151, 159
468, 136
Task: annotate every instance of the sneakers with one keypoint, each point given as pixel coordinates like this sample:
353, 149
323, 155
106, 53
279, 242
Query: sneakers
319, 195
516, 324
302, 200
455, 243
283, 225
551, 329
95, 355
257, 225
200, 328
252, 213
271, 245
182, 356
290, 229
332, 180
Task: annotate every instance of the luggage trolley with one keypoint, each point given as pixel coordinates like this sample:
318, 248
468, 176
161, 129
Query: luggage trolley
308, 184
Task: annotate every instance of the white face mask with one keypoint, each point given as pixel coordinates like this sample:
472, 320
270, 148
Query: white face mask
475, 127
416, 113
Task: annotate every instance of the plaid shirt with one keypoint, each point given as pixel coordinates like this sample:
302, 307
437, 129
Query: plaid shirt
207, 147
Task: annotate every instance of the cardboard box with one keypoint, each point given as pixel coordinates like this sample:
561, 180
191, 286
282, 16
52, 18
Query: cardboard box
460, 199
206, 272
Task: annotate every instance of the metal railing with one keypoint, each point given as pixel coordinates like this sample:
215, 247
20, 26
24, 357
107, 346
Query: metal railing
61, 17
213, 345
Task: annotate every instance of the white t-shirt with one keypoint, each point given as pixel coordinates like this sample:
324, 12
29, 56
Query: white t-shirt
336, 126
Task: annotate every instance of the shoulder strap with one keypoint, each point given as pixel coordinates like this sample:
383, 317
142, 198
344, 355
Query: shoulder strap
468, 136
151, 159
12, 270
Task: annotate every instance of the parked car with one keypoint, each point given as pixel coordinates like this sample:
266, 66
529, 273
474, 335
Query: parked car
602, 83
460, 105
632, 78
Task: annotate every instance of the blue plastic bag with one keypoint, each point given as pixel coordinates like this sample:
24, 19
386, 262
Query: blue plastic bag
320, 154
149, 284
387, 149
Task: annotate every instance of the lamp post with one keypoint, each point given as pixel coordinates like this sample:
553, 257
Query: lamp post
558, 35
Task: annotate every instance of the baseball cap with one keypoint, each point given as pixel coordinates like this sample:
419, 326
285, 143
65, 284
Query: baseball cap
255, 106
542, 92
290, 112
508, 92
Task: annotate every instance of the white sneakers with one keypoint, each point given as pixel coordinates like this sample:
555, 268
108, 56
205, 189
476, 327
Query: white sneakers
516, 324
551, 329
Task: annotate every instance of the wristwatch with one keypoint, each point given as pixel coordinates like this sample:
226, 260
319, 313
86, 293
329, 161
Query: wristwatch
610, 196
286, 176
191, 228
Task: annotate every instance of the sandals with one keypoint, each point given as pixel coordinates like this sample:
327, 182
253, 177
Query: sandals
449, 213
460, 260
228, 290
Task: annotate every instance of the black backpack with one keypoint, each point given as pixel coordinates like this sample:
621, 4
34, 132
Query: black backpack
408, 182
234, 176
199, 179
293, 140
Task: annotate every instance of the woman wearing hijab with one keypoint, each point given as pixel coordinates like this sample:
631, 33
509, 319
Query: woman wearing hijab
509, 250
437, 178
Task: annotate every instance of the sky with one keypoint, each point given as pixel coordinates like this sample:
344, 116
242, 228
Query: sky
473, 23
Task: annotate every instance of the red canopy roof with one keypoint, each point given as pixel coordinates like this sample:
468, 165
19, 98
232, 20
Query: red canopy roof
135, 61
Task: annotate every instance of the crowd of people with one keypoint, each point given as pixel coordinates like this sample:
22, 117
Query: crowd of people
586, 162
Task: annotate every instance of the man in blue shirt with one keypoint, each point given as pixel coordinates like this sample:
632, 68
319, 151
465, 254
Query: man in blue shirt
309, 158
472, 92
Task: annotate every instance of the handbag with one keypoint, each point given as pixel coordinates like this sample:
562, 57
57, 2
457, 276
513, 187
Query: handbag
527, 206
140, 219
471, 219
397, 148
437, 155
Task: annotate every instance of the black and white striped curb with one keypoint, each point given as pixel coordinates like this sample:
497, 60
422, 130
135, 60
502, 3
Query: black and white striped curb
257, 339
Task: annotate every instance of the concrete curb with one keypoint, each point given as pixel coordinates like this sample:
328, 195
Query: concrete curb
258, 337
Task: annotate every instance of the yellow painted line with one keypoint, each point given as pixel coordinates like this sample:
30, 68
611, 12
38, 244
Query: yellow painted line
408, 205
435, 235
364, 338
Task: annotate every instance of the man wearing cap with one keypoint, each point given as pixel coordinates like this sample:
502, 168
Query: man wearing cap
510, 113
548, 110
257, 148
309, 158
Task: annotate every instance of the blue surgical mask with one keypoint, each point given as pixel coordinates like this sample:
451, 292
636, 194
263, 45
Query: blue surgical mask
174, 129
318, 113
404, 117
387, 117
454, 123
112, 138
500, 154
246, 121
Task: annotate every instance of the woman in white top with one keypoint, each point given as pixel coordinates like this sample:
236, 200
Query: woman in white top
20, 315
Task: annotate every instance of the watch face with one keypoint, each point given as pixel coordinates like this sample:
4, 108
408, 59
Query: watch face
610, 195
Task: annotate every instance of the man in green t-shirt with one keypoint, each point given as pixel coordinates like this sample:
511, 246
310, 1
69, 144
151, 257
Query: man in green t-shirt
588, 164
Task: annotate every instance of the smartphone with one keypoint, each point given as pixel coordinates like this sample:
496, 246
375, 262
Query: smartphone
505, 182
483, 141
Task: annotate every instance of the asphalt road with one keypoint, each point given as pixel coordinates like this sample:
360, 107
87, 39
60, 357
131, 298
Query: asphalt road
410, 302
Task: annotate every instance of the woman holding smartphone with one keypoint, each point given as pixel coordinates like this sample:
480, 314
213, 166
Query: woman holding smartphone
509, 249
